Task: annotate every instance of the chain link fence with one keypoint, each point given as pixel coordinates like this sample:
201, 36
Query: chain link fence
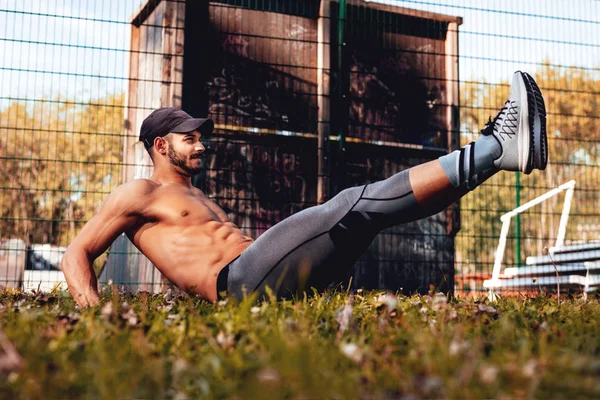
308, 97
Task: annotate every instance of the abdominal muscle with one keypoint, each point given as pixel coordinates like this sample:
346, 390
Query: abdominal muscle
192, 252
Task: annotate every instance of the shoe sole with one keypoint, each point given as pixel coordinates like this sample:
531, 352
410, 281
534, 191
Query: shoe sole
540, 138
535, 143
526, 121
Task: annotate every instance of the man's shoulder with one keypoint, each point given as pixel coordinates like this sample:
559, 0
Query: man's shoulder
139, 186
138, 191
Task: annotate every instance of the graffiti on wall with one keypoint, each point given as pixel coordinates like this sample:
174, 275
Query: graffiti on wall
393, 99
263, 75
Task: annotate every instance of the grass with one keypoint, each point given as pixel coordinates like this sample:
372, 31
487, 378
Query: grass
369, 345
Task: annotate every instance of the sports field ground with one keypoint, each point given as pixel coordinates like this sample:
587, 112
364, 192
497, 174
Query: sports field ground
369, 345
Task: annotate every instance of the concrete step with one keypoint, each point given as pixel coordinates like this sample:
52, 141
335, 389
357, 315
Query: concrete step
566, 282
562, 258
44, 281
574, 248
542, 270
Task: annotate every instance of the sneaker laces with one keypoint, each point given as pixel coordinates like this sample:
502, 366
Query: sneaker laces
490, 126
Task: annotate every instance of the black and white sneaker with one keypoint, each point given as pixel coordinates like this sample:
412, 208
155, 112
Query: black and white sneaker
520, 127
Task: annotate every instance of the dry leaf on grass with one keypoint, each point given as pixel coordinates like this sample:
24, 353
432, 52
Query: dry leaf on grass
10, 359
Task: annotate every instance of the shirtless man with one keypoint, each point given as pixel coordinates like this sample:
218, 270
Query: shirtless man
194, 244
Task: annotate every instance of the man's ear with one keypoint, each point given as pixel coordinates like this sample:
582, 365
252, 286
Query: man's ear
160, 144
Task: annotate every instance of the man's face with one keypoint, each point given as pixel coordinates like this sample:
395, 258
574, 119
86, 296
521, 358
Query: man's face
185, 150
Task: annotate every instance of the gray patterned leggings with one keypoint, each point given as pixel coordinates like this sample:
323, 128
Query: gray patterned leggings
317, 246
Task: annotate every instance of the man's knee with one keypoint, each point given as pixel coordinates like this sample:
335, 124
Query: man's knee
350, 196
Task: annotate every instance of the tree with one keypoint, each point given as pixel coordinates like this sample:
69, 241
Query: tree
60, 159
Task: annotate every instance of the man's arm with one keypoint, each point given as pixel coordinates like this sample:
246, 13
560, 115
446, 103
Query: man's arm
120, 212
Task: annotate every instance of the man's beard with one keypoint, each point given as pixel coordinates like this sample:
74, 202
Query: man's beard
181, 162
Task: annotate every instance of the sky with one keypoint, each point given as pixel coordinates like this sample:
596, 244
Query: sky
520, 34
77, 49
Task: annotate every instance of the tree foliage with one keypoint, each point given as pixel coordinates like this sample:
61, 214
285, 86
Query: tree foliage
573, 107
59, 160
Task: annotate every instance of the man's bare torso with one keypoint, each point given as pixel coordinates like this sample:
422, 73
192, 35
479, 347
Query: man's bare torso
183, 233
186, 236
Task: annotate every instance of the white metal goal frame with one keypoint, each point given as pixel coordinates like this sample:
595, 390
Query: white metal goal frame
569, 187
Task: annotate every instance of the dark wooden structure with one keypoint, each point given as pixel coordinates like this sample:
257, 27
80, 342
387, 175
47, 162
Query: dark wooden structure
308, 97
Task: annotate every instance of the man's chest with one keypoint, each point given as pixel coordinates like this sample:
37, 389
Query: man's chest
181, 208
